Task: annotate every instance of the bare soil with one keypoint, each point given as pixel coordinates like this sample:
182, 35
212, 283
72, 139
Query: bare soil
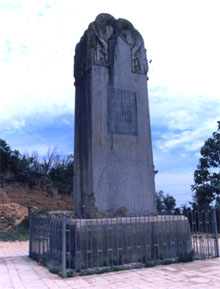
17, 198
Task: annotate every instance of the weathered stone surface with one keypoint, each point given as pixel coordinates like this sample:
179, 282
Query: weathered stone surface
116, 241
93, 48
113, 150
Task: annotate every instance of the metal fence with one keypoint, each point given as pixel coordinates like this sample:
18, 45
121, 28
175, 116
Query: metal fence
70, 246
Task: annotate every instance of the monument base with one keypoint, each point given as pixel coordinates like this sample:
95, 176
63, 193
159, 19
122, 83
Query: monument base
128, 240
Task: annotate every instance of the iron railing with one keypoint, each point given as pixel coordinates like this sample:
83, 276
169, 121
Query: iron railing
71, 246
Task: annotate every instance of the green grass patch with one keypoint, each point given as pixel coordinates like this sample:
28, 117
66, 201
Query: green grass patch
186, 257
15, 233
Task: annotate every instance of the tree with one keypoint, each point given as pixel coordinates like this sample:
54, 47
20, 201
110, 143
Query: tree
61, 173
33, 170
169, 203
165, 204
159, 201
49, 160
11, 160
5, 153
207, 175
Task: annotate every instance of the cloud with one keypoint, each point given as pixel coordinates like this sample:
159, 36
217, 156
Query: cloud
176, 184
36, 63
11, 5
19, 124
36, 71
181, 120
39, 149
36, 134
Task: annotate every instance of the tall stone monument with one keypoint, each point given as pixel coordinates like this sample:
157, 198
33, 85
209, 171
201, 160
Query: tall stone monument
113, 170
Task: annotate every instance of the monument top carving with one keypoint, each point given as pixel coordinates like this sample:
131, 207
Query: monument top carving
93, 48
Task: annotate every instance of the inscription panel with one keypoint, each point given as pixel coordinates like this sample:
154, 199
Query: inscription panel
122, 112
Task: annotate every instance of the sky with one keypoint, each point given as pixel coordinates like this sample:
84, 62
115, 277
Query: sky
37, 44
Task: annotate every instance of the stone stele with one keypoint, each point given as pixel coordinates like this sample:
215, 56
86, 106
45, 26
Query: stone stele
113, 170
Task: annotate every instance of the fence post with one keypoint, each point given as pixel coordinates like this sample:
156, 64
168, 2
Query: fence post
215, 231
30, 234
63, 272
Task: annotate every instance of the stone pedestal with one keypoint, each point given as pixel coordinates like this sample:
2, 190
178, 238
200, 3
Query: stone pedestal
119, 241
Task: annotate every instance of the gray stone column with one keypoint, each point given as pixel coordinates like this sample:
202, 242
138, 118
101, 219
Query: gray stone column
113, 171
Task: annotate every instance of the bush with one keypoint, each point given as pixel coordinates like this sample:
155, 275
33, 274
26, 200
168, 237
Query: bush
15, 233
33, 170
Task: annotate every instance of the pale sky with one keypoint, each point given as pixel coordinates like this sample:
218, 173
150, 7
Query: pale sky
37, 42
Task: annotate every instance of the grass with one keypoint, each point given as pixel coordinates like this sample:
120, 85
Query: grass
186, 257
15, 233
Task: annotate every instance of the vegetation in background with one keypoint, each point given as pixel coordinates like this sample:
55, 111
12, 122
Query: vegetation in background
15, 233
33, 170
165, 204
206, 185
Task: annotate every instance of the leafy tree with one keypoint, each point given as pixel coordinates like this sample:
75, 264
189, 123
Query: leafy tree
165, 204
169, 203
185, 209
5, 153
11, 160
159, 201
207, 175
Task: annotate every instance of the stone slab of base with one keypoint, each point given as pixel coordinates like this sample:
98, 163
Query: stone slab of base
117, 241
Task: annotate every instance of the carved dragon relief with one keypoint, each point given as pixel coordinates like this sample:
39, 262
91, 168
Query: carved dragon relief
93, 46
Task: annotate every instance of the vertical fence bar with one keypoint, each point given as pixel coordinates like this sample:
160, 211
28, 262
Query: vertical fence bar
199, 230
30, 234
68, 229
63, 272
39, 238
81, 257
166, 242
215, 231
206, 236
87, 244
97, 262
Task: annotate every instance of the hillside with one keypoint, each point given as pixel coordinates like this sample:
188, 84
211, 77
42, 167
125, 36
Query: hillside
28, 183
16, 198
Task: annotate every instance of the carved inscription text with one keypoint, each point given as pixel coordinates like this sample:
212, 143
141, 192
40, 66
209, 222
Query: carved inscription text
122, 112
